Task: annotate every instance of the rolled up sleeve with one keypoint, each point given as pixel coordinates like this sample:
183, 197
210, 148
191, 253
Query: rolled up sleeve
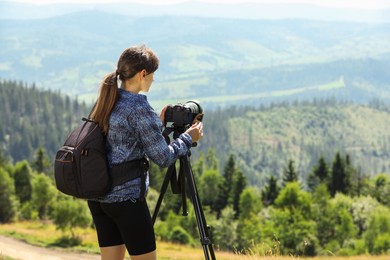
154, 144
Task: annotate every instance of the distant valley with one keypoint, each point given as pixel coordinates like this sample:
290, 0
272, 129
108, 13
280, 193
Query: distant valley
219, 61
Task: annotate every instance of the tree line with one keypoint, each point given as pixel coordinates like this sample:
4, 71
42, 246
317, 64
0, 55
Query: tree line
263, 138
330, 212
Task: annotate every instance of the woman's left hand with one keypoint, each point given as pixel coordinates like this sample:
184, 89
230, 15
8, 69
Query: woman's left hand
196, 131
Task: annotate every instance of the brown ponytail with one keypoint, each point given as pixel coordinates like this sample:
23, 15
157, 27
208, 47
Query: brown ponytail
132, 60
106, 101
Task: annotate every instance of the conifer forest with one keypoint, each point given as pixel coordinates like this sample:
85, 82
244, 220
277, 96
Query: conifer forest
301, 178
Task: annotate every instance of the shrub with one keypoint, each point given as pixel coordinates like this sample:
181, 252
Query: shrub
378, 226
332, 247
354, 247
161, 230
308, 247
382, 244
67, 241
179, 235
28, 212
8, 201
70, 213
266, 248
346, 252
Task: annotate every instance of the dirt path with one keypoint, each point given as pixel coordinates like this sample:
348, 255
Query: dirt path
22, 251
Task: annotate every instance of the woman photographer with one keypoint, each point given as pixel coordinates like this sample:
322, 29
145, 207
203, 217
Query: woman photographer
133, 131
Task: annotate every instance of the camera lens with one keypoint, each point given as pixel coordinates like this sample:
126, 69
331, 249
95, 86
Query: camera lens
194, 106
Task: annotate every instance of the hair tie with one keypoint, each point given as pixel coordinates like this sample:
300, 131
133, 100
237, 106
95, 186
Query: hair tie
117, 73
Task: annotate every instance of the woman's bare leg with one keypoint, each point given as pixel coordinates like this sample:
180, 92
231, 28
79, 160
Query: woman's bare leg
113, 252
148, 256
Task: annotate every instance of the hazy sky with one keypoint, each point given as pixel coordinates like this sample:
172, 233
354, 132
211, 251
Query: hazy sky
365, 4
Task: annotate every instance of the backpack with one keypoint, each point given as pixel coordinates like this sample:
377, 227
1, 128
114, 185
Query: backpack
81, 168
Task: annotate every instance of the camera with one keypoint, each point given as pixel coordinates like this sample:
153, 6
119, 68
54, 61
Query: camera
183, 115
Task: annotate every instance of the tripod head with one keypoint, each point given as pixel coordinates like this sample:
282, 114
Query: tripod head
177, 130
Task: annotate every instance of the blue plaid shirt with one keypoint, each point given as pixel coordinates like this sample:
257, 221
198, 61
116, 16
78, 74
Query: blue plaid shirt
135, 131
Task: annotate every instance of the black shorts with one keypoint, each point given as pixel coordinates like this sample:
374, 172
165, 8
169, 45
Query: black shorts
126, 223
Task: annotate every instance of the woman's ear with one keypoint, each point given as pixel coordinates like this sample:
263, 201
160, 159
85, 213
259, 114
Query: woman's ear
143, 73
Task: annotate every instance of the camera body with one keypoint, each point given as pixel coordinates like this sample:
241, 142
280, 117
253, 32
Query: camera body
183, 115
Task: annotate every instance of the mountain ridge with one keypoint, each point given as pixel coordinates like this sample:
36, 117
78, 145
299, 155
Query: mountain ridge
202, 58
196, 8
265, 139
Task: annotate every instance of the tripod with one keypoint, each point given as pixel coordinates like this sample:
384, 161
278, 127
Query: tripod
178, 184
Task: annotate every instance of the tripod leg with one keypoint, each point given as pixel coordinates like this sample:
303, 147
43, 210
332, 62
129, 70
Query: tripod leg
201, 220
164, 186
182, 179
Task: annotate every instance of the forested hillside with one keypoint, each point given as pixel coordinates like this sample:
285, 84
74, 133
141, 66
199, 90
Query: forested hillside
31, 118
264, 139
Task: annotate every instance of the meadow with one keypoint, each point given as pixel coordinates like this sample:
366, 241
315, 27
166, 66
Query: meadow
45, 235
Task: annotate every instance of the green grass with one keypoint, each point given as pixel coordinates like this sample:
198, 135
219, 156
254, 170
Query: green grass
6, 258
43, 234
46, 235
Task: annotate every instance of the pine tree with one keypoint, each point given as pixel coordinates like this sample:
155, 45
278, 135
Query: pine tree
235, 183
319, 175
290, 174
336, 175
229, 170
239, 184
322, 171
350, 172
41, 163
226, 186
270, 192
339, 181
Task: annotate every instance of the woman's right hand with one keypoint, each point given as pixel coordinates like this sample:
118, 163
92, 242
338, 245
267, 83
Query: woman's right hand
195, 131
162, 114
